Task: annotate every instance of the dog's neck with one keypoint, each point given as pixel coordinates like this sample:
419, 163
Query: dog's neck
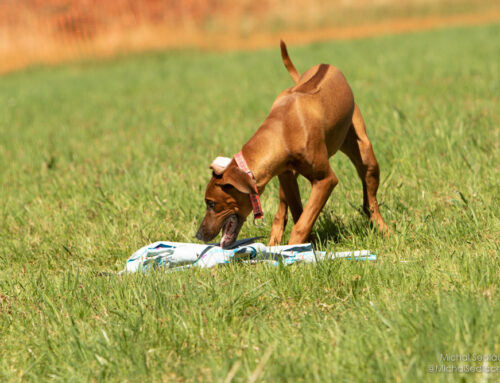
258, 155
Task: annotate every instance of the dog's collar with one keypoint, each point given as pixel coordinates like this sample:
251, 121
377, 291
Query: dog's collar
254, 198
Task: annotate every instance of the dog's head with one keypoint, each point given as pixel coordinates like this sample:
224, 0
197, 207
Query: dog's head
227, 200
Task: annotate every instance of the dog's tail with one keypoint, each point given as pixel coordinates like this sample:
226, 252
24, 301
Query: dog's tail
288, 63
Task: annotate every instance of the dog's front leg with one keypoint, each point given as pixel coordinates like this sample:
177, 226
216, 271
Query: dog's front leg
280, 220
288, 180
289, 196
321, 190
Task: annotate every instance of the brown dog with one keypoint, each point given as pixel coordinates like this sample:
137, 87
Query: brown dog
307, 124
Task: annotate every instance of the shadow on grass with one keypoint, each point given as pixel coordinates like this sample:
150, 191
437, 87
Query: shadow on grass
331, 228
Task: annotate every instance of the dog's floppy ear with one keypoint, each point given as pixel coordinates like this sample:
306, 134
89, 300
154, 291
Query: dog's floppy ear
237, 178
219, 165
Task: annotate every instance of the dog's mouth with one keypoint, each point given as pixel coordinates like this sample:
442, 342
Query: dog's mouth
230, 230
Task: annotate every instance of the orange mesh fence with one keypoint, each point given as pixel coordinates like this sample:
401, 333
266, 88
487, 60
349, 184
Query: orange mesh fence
49, 31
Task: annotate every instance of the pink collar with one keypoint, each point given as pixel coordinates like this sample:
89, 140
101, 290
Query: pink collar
254, 198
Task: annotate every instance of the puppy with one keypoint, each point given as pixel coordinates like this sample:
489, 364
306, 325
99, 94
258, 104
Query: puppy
308, 123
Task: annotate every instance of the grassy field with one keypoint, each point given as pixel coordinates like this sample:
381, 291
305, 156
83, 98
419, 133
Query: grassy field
99, 159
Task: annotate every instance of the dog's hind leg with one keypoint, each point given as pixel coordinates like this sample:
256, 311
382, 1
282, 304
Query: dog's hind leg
358, 148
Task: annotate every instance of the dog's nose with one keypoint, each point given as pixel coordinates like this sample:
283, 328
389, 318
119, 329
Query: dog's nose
199, 234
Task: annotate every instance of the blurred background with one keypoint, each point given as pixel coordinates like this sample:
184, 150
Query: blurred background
52, 31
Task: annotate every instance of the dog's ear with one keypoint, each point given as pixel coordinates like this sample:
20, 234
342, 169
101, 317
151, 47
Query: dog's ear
219, 165
237, 178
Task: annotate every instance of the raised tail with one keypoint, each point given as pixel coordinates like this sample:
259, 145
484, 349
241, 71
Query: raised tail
288, 63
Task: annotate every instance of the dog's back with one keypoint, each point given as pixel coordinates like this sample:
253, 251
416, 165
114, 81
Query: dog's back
321, 98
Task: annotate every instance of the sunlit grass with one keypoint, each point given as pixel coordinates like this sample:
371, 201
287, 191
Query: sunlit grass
100, 159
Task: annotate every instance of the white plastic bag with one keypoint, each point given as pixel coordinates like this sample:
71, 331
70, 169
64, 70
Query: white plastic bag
177, 255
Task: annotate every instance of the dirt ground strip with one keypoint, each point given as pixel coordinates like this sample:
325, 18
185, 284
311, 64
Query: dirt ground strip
396, 26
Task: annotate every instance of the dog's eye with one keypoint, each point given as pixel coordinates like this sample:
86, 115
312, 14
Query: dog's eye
210, 204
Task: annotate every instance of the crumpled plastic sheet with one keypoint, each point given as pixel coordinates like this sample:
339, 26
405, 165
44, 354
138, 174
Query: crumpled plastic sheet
177, 255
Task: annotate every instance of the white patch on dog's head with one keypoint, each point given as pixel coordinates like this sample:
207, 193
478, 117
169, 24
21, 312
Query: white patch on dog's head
220, 164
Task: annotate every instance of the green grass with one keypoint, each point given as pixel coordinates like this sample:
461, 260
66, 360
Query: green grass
99, 159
